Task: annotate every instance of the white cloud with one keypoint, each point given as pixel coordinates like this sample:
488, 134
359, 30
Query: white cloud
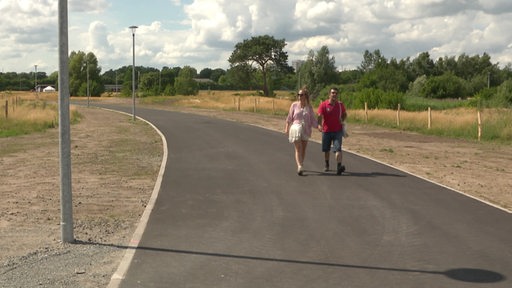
89, 6
211, 28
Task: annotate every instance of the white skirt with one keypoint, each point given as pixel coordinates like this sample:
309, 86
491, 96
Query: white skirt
296, 133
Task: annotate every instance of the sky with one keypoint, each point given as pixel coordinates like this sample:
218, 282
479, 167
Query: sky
203, 33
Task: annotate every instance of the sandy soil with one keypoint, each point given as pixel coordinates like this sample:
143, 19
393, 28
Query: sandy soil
115, 163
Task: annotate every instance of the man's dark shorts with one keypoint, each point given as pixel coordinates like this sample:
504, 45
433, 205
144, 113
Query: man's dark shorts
333, 138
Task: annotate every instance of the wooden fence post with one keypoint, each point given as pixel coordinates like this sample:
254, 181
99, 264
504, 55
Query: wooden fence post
479, 125
366, 112
238, 106
6, 109
273, 107
429, 118
398, 116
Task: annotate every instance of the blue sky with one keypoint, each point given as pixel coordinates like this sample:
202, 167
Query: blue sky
203, 33
122, 14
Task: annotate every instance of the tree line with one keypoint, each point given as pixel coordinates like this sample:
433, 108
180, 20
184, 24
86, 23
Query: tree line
261, 63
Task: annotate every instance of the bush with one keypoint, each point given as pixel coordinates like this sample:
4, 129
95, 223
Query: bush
378, 99
482, 99
504, 94
445, 86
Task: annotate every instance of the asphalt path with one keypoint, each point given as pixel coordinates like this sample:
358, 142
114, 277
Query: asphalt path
232, 212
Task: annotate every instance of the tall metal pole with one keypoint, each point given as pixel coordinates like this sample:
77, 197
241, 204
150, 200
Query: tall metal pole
64, 128
133, 71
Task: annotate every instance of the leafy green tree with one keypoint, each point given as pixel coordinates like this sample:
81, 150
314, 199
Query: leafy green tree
349, 76
149, 84
504, 94
185, 83
54, 79
318, 71
261, 51
168, 76
115, 77
445, 86
216, 74
372, 60
81, 65
386, 79
422, 65
417, 88
239, 77
206, 73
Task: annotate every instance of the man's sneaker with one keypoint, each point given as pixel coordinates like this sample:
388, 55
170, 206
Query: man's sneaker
340, 169
326, 167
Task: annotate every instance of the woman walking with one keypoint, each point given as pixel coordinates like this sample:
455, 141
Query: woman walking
299, 123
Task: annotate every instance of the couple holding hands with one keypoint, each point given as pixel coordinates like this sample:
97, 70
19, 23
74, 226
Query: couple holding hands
329, 120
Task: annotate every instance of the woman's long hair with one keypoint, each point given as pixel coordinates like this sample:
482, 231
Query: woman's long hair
305, 90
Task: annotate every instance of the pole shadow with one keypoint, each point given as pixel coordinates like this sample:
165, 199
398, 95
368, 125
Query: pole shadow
470, 275
350, 174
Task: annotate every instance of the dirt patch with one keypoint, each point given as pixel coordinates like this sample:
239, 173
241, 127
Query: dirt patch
114, 166
115, 163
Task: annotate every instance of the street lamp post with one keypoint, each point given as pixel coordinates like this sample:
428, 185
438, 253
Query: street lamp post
133, 28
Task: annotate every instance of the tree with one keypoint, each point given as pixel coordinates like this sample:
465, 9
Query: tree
168, 77
206, 73
318, 71
81, 65
216, 74
422, 65
504, 94
149, 84
372, 60
445, 86
386, 79
239, 77
185, 83
261, 51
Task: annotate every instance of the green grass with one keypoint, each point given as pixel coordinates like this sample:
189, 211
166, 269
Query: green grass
422, 104
32, 116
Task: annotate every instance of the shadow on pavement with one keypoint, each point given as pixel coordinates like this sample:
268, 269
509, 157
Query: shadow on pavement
470, 275
352, 174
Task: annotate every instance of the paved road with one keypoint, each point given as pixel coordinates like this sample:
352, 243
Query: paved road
232, 212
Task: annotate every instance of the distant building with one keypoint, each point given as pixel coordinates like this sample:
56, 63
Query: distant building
113, 88
42, 87
49, 89
203, 80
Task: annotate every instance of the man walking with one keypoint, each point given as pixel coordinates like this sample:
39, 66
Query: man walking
331, 115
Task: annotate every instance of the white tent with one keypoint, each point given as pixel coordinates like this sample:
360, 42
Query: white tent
49, 89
